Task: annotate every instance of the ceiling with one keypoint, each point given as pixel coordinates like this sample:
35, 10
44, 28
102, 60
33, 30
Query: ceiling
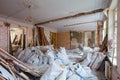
45, 10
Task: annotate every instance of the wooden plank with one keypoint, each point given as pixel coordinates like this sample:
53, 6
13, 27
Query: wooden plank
41, 36
24, 41
20, 40
9, 66
5, 55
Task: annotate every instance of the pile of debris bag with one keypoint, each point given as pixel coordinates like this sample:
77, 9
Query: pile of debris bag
47, 63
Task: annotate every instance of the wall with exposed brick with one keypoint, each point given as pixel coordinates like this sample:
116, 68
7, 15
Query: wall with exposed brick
4, 37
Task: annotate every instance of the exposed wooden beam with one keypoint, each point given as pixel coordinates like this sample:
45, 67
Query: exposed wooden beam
79, 23
72, 16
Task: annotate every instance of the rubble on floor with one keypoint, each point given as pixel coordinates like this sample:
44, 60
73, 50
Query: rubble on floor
47, 63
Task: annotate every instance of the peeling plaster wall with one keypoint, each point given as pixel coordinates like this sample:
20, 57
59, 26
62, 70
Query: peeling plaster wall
4, 37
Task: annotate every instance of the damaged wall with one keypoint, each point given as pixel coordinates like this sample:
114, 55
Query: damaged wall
4, 37
73, 39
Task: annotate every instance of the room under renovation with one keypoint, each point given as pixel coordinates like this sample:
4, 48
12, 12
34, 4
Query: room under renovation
59, 40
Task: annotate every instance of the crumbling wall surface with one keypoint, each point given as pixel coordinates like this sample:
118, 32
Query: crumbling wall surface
4, 37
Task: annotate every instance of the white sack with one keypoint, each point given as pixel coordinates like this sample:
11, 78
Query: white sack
62, 76
45, 60
63, 56
53, 71
40, 60
76, 50
75, 77
21, 55
87, 60
18, 52
96, 49
79, 70
33, 59
87, 49
98, 60
50, 54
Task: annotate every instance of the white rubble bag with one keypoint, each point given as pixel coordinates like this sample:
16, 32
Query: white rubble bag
18, 52
53, 71
90, 75
87, 49
98, 60
87, 60
27, 54
75, 77
83, 71
21, 55
63, 56
76, 50
63, 75
45, 60
50, 54
96, 49
78, 69
74, 72
33, 59
40, 60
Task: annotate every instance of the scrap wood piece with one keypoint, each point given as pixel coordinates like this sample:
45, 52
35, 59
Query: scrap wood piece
2, 78
12, 70
104, 46
5, 55
41, 36
20, 40
5, 64
15, 38
23, 75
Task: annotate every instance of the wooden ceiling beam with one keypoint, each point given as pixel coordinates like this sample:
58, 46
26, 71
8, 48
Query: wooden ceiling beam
72, 16
79, 23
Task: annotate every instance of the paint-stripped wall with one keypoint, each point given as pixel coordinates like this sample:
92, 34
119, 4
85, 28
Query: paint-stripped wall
4, 37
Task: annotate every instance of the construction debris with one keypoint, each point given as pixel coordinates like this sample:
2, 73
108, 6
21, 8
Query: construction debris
45, 62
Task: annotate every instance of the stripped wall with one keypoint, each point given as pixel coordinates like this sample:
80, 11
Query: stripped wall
4, 37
